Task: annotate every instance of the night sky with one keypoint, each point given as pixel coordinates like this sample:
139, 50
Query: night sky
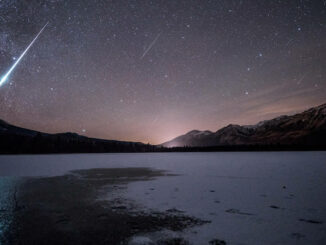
152, 70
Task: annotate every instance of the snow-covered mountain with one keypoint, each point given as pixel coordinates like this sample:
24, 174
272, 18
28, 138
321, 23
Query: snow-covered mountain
306, 128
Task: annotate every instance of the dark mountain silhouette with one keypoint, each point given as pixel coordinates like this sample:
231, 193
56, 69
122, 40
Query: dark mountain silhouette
19, 140
304, 129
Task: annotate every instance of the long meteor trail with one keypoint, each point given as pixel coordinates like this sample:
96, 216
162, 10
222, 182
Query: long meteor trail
150, 46
5, 77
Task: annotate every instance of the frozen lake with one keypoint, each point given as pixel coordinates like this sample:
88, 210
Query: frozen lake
249, 197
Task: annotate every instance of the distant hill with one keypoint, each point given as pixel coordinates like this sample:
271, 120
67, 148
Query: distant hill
304, 129
16, 140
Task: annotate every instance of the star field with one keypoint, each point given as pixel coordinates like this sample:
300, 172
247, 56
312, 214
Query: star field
151, 70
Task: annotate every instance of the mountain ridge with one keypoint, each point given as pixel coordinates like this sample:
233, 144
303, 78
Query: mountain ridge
302, 131
305, 128
18, 140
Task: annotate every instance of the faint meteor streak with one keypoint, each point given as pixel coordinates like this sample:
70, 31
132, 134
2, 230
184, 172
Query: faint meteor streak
150, 46
5, 77
301, 79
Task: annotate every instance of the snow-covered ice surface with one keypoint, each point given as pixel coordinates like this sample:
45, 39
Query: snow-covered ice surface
249, 197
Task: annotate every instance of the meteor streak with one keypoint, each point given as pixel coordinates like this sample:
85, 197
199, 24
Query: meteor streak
5, 77
150, 46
